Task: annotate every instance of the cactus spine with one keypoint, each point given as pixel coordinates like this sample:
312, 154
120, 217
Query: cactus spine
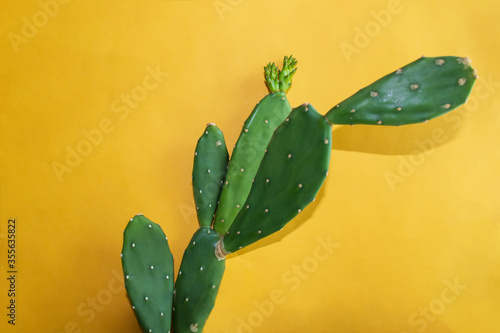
278, 165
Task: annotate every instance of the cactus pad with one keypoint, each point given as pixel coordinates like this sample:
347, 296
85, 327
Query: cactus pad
257, 131
209, 170
247, 155
415, 93
198, 282
148, 268
293, 169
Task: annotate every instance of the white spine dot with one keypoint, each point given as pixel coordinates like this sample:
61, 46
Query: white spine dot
439, 62
414, 86
462, 81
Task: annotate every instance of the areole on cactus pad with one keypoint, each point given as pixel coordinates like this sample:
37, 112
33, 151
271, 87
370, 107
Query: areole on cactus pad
277, 167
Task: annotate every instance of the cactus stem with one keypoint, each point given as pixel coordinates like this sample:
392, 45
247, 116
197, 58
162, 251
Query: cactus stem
220, 252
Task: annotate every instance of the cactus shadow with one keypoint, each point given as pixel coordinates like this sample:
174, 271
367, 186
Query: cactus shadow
289, 228
388, 140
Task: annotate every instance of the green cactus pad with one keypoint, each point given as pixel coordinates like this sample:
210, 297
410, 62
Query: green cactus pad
148, 267
292, 172
247, 155
198, 282
420, 91
209, 170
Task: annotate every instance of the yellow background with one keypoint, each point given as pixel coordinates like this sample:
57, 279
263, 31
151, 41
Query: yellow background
411, 213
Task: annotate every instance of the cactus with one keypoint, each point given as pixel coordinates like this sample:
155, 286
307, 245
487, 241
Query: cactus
148, 267
209, 171
278, 165
290, 175
198, 282
249, 150
415, 93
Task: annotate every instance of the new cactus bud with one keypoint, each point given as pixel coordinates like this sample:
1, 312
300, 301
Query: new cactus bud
198, 282
415, 93
148, 267
290, 175
249, 150
209, 171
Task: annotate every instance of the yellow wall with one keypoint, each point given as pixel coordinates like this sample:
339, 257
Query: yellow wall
410, 215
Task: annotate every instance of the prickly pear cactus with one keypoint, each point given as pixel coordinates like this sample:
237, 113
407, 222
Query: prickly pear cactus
148, 267
249, 150
198, 282
292, 171
278, 165
420, 91
209, 171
